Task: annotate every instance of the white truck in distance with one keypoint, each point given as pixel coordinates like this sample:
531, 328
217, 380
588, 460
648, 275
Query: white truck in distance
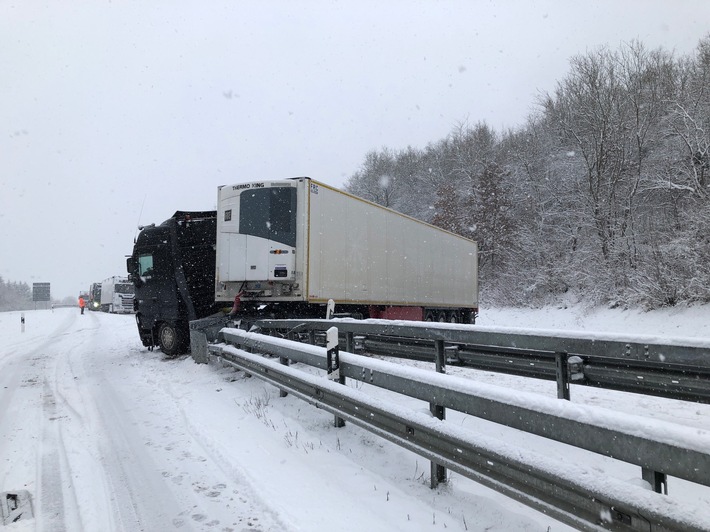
117, 294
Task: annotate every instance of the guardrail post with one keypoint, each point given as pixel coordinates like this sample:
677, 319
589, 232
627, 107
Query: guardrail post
658, 481
285, 362
562, 375
333, 363
198, 347
438, 472
350, 342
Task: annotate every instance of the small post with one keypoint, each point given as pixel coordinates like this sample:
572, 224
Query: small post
22, 322
330, 310
333, 363
562, 375
658, 481
438, 472
284, 362
349, 342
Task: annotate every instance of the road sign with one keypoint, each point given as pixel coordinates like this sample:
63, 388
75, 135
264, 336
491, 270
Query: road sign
40, 292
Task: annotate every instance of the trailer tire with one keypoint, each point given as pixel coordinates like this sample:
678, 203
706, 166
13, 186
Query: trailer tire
429, 316
170, 339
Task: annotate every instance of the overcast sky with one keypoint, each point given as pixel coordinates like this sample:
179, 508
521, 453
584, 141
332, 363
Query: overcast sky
115, 114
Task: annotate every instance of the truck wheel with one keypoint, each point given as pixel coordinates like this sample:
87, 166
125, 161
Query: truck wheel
170, 339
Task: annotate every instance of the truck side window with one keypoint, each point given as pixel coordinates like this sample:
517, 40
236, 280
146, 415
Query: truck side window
269, 213
145, 265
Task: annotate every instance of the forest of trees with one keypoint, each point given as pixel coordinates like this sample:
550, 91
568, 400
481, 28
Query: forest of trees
603, 195
18, 296
15, 296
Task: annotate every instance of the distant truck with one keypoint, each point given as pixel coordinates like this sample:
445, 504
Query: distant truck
94, 302
288, 247
117, 294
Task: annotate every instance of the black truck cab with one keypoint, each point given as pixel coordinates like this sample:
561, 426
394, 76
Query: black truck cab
173, 270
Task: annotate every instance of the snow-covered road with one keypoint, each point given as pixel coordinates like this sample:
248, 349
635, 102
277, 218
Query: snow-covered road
93, 431
107, 436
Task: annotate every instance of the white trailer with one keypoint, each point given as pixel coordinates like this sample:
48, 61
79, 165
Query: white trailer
298, 242
117, 294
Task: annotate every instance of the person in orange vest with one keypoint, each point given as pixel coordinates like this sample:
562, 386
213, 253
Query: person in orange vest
82, 303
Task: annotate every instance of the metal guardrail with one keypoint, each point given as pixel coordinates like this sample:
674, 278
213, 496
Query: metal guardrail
636, 365
554, 487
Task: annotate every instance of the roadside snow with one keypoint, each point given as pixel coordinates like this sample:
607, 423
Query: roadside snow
108, 436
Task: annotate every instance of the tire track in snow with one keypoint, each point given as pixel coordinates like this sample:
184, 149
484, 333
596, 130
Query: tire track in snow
105, 496
141, 500
251, 504
209, 492
29, 345
32, 443
51, 495
20, 422
134, 494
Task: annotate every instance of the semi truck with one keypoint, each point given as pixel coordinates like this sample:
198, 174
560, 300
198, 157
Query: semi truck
284, 248
95, 296
172, 268
117, 294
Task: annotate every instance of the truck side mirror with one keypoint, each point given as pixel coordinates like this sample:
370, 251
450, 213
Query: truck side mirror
132, 267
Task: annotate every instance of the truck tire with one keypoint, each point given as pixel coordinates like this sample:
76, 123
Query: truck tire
170, 339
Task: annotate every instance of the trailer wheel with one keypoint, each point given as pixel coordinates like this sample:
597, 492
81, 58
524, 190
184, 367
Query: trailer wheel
170, 339
442, 317
429, 316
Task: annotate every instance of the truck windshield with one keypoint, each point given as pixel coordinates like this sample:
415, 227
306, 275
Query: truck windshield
124, 288
269, 213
